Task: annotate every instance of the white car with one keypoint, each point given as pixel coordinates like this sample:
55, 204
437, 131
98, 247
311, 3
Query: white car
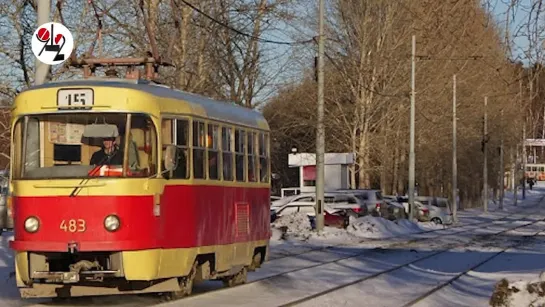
439, 207
293, 198
275, 198
333, 201
303, 207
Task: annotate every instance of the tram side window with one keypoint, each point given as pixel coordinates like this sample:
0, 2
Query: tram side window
142, 148
182, 144
251, 157
213, 152
167, 129
227, 152
240, 137
263, 157
198, 150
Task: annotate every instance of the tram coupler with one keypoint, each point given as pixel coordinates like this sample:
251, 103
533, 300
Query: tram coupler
73, 247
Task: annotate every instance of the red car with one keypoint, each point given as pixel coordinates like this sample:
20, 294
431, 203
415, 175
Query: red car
338, 219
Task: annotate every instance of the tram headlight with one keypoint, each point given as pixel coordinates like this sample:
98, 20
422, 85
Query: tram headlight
111, 223
32, 224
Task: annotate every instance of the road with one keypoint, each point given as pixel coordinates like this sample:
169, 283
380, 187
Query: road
455, 266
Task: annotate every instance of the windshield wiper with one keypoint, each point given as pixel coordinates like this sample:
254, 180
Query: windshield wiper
93, 172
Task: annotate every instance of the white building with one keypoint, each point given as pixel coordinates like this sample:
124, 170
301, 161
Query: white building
336, 171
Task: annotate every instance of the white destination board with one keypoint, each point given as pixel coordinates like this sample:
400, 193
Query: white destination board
76, 98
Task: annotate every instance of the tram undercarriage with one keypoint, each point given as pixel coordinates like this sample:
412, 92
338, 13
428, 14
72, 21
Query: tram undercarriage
54, 274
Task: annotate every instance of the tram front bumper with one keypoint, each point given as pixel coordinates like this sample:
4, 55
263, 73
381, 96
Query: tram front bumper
58, 277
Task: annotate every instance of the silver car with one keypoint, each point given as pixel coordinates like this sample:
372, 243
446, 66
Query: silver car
376, 206
440, 209
6, 220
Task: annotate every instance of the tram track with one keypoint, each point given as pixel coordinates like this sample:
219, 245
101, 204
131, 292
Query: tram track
387, 243
272, 278
396, 238
402, 237
371, 277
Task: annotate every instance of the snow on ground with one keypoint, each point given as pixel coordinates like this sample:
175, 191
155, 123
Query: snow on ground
298, 263
297, 227
520, 293
376, 227
395, 286
518, 266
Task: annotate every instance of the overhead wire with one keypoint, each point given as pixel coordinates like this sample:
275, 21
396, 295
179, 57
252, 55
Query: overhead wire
264, 40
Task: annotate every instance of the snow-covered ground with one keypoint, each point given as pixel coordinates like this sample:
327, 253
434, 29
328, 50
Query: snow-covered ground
374, 262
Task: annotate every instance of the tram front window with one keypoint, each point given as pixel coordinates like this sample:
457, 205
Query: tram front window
84, 145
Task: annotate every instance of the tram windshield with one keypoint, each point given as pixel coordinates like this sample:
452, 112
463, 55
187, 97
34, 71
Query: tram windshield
84, 145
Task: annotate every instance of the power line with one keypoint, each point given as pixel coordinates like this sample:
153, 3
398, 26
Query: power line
362, 85
431, 58
245, 34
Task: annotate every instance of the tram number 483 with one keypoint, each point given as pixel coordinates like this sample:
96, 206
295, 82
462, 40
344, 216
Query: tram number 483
73, 225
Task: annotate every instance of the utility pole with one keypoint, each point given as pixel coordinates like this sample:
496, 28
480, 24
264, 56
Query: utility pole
412, 128
514, 177
502, 168
524, 154
41, 69
524, 158
485, 155
320, 137
454, 163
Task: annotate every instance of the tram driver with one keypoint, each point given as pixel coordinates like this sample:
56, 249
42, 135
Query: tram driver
109, 154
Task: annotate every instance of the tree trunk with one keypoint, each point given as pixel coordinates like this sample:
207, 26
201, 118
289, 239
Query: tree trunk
402, 179
362, 161
353, 166
184, 31
395, 174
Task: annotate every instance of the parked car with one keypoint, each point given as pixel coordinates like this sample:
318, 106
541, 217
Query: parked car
422, 211
305, 197
372, 199
439, 207
332, 217
338, 220
348, 202
396, 210
334, 200
274, 216
275, 198
6, 218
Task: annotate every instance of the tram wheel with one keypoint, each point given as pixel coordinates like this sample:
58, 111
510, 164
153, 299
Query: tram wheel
256, 262
237, 279
186, 285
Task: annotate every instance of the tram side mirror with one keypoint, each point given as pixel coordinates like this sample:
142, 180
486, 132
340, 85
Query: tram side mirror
100, 131
171, 157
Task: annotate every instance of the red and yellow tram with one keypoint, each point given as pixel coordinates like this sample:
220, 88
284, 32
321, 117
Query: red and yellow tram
536, 171
180, 194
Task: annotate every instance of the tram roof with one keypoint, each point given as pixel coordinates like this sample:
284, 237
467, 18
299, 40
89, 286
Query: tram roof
215, 109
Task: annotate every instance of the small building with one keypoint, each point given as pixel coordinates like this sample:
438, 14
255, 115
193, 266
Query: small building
336, 169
